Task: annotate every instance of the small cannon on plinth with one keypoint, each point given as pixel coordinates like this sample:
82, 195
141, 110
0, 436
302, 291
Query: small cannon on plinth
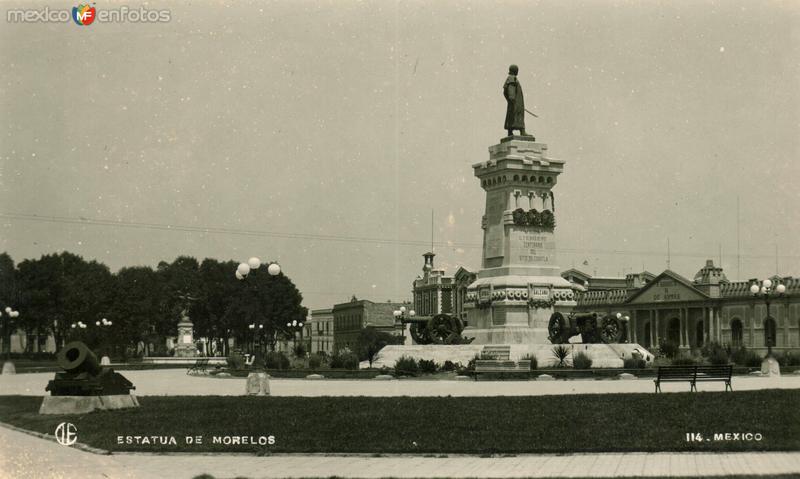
593, 327
85, 385
439, 329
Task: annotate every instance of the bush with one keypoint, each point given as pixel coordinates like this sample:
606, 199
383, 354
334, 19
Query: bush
406, 365
561, 353
744, 357
683, 360
276, 360
668, 348
718, 357
788, 359
236, 361
581, 360
344, 359
449, 366
426, 366
532, 359
299, 350
315, 361
487, 355
634, 363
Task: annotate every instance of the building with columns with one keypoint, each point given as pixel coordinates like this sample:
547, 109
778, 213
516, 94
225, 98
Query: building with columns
691, 313
433, 291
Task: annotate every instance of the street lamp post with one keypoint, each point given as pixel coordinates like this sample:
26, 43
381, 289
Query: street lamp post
8, 366
244, 269
400, 317
768, 290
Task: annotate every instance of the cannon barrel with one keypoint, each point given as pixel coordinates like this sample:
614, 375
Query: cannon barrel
76, 357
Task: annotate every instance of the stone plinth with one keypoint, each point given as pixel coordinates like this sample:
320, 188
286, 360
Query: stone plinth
185, 347
86, 404
519, 285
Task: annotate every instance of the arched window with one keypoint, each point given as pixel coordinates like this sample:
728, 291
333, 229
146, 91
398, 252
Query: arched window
674, 331
770, 332
736, 333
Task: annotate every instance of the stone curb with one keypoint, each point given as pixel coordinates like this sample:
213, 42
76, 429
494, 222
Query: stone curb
49, 437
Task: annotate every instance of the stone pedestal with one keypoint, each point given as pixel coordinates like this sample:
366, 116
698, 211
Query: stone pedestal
770, 367
257, 384
519, 285
185, 347
86, 404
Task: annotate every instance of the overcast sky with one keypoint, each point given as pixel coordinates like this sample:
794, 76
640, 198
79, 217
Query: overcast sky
323, 134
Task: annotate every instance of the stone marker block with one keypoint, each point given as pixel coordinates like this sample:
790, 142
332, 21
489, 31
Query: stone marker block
626, 376
384, 377
463, 378
545, 377
86, 404
105, 361
315, 376
8, 368
257, 384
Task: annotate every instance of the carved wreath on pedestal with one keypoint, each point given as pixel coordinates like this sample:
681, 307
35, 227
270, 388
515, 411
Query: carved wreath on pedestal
545, 219
541, 303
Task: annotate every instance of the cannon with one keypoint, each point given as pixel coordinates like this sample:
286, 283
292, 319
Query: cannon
84, 376
593, 328
439, 329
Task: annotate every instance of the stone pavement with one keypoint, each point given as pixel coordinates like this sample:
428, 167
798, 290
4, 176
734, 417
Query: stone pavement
23, 456
175, 382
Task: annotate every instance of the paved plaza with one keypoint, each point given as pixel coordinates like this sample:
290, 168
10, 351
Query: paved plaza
175, 382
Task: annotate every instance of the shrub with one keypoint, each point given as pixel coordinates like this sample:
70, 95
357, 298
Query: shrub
487, 355
236, 361
634, 363
718, 357
788, 359
532, 359
744, 357
561, 353
426, 366
668, 348
299, 350
581, 360
682, 360
344, 359
449, 366
315, 361
276, 360
712, 348
406, 365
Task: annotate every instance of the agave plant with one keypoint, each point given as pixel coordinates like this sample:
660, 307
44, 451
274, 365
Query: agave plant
561, 353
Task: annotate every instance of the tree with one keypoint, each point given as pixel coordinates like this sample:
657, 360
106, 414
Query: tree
9, 298
371, 341
136, 300
211, 312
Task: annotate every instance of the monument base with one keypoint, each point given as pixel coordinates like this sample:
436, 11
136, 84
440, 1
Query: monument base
86, 404
602, 355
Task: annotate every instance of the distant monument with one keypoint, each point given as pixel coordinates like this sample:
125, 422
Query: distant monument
185, 347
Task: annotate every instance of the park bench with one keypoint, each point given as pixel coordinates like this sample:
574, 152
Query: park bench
200, 366
693, 375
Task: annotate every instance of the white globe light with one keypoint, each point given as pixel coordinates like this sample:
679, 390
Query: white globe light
260, 326
763, 290
396, 313
274, 269
83, 326
73, 326
97, 323
754, 288
254, 263
619, 315
243, 269
289, 325
251, 326
8, 309
109, 323
402, 309
780, 289
412, 313
294, 322
767, 283
300, 324
239, 276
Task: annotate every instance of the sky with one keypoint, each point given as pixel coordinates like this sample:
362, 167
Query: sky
326, 135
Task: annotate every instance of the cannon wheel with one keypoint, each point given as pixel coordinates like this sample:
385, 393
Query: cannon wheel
611, 329
557, 327
444, 328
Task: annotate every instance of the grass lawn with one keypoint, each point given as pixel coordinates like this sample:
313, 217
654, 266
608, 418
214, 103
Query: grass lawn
440, 425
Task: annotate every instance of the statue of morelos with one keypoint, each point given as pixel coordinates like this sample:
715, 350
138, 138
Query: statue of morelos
515, 112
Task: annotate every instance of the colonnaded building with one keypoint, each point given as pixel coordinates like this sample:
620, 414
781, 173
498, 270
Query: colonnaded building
667, 306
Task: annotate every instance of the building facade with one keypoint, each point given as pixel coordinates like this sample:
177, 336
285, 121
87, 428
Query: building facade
691, 313
321, 330
351, 317
433, 291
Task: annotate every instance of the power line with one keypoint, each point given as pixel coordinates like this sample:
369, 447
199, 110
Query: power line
321, 237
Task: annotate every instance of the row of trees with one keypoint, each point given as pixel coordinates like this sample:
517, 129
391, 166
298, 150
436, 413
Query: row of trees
144, 304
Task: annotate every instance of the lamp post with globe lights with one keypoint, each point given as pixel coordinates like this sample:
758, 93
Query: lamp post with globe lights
768, 290
242, 272
400, 317
8, 366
